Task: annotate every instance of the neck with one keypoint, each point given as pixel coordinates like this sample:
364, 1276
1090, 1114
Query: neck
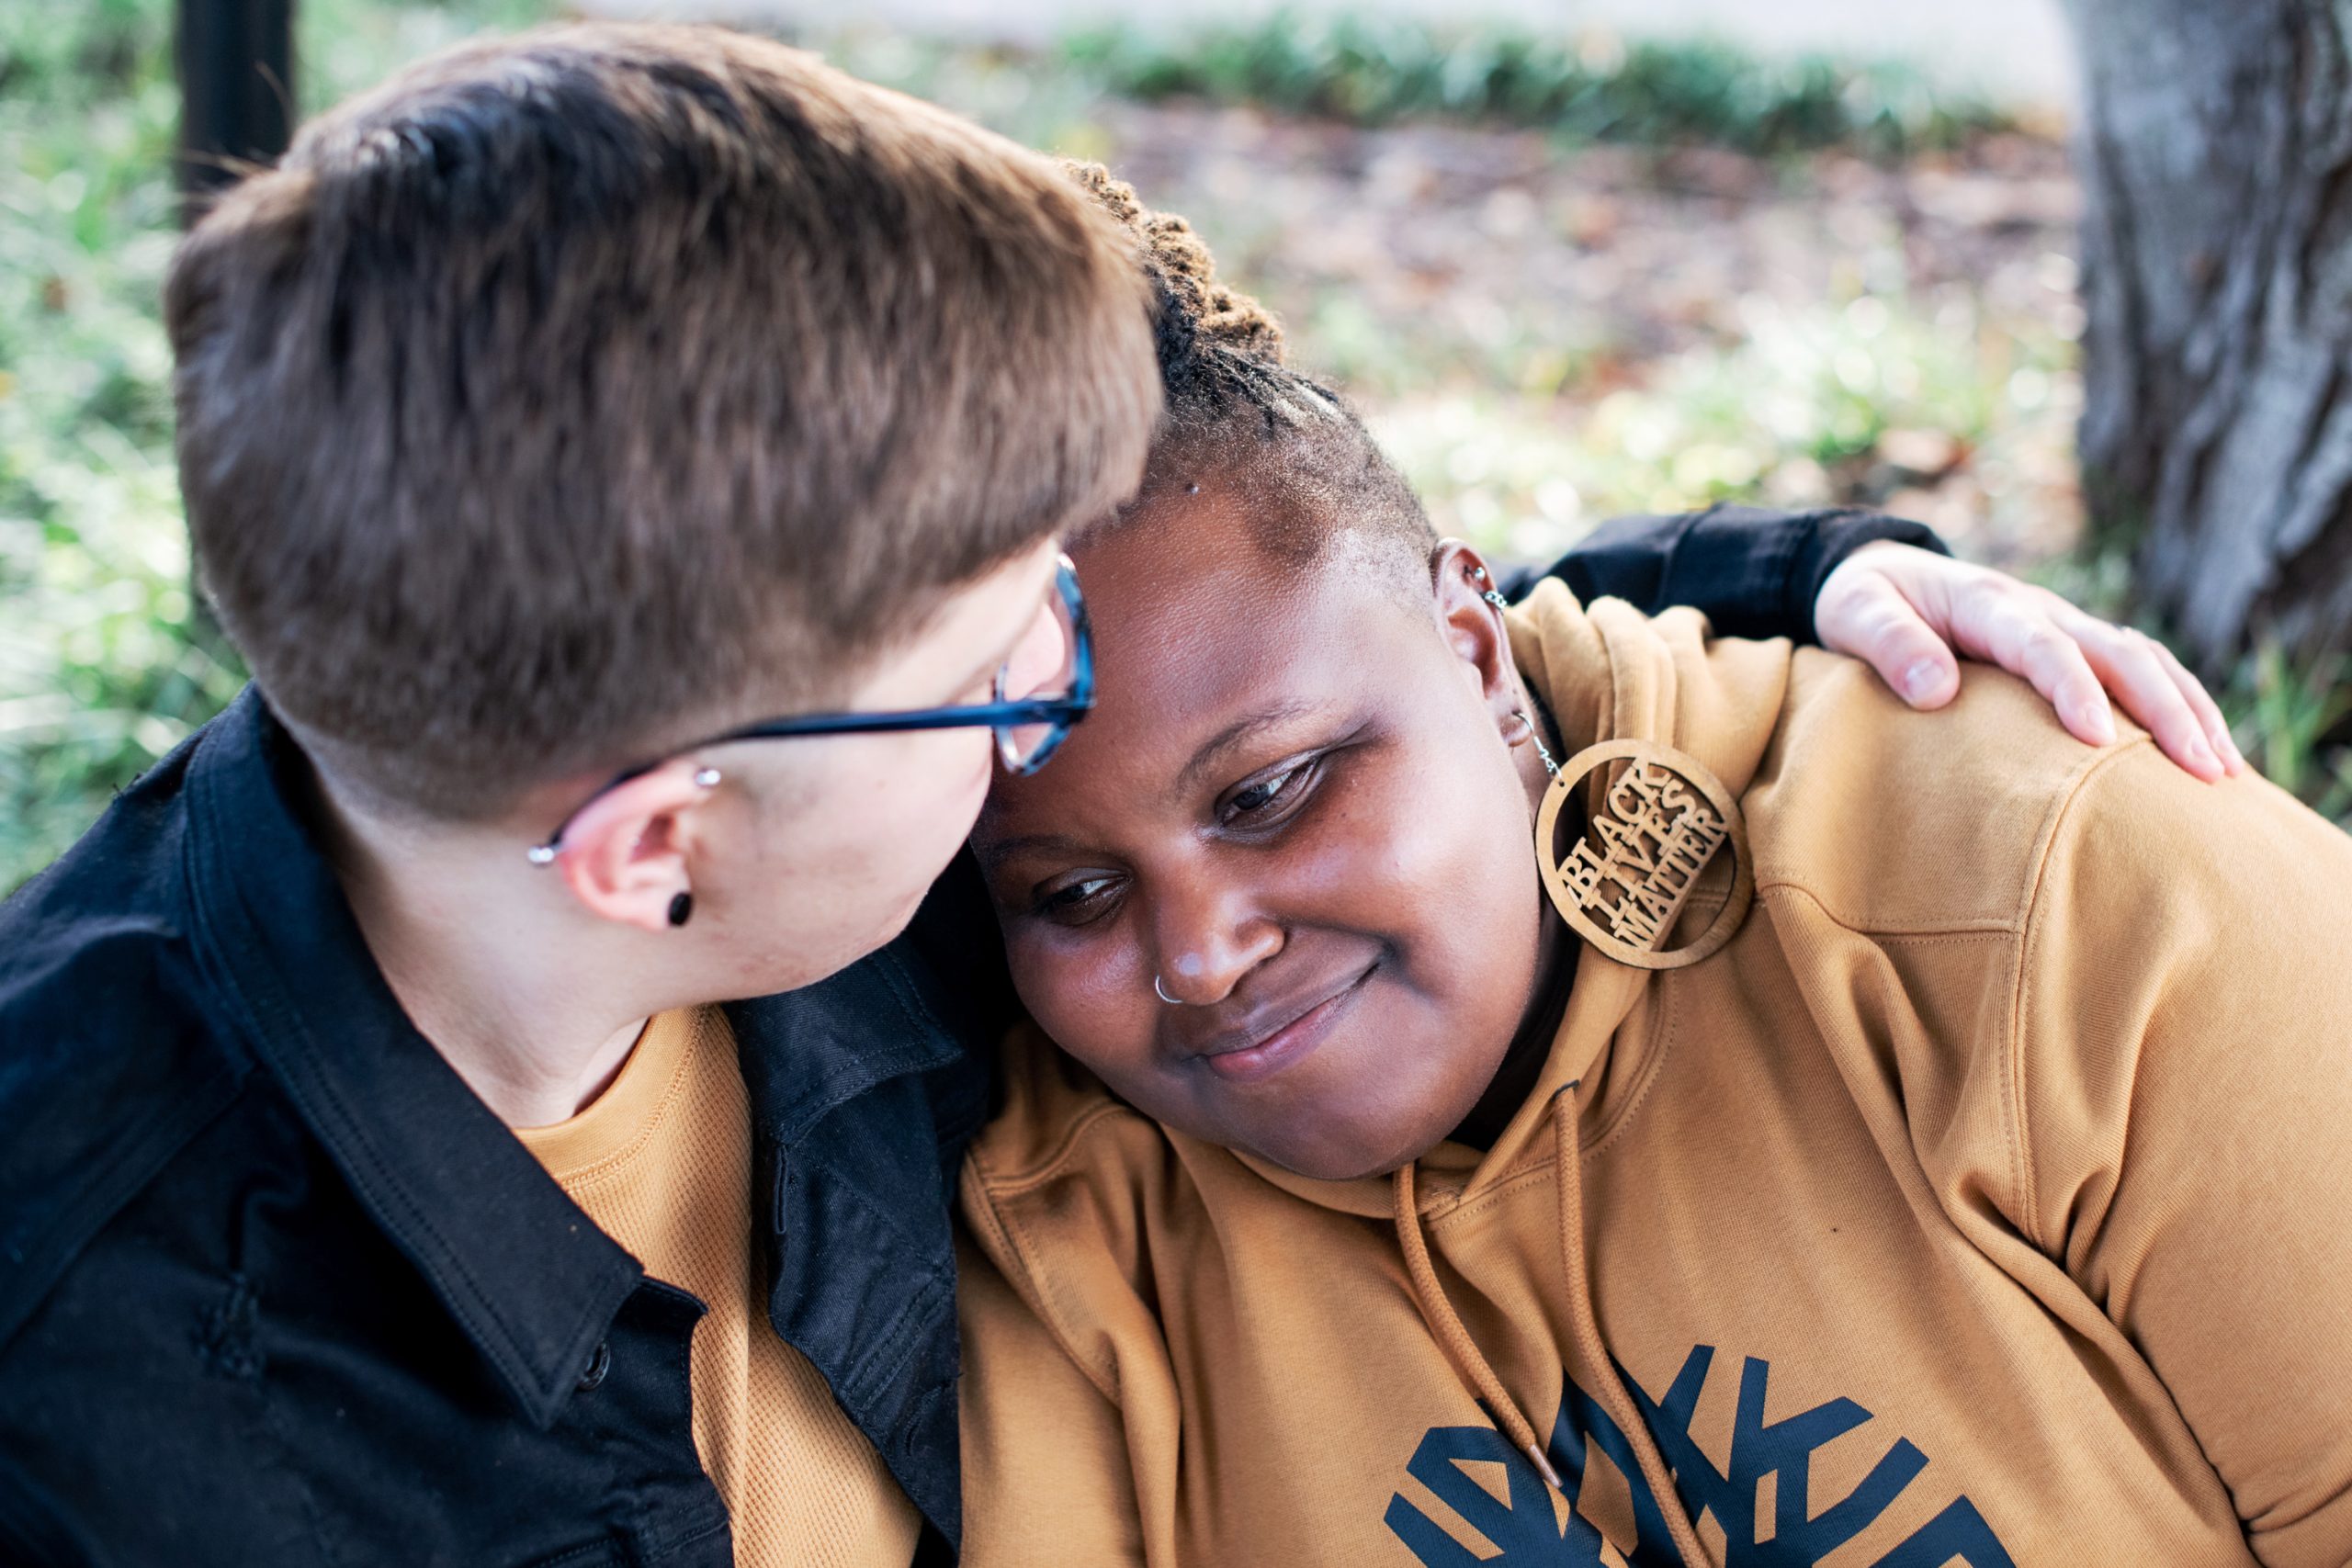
1547, 1002
534, 1004
1530, 1048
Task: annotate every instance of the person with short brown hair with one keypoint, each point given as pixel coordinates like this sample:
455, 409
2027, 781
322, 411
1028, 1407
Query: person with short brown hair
480, 1101
535, 319
551, 419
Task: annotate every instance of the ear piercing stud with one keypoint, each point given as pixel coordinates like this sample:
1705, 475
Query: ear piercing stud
681, 905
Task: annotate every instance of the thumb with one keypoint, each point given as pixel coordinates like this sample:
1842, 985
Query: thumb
1877, 625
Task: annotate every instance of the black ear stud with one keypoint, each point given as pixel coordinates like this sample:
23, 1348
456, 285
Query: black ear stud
681, 908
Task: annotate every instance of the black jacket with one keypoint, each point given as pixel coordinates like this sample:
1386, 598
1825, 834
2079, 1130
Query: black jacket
276, 1288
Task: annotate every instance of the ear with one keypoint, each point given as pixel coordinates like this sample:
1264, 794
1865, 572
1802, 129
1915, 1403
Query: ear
1473, 626
631, 851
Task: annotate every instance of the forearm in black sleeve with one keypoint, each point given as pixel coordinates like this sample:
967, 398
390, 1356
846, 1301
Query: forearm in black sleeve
1754, 573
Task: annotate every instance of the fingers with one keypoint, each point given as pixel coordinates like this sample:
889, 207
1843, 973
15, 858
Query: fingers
1869, 618
2208, 711
2157, 691
1898, 608
2025, 641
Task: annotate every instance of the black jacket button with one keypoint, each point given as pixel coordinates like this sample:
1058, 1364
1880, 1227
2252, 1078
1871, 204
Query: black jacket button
598, 1365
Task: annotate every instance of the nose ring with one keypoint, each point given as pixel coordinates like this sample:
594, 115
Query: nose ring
1161, 991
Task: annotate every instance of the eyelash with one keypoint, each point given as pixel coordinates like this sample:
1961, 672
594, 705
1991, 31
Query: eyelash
1071, 905
1062, 907
1284, 789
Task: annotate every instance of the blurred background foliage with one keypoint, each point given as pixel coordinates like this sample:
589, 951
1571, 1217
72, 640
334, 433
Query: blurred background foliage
1371, 69
1566, 277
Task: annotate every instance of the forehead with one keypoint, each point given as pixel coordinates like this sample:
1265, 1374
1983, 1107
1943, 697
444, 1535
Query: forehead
1195, 627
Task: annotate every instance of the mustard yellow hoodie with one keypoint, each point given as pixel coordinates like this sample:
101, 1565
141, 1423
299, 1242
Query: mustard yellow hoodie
1986, 1200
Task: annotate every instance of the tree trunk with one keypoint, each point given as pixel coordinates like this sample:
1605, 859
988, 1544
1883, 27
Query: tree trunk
2216, 157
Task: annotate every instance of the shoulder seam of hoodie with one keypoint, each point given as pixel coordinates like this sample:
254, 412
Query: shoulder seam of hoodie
2018, 928
1887, 927
2028, 1198
1769, 878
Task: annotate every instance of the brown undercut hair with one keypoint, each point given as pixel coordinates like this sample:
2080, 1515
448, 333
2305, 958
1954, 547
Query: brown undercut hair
575, 394
1238, 419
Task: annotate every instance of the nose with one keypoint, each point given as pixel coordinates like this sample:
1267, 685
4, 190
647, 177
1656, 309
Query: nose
1207, 938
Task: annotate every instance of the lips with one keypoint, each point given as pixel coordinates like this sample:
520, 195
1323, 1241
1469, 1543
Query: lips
1276, 1035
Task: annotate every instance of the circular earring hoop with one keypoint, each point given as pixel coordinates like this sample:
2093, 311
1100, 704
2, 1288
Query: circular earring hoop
1655, 828
1161, 992
1526, 732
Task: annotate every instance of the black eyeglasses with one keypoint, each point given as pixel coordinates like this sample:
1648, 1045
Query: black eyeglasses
1028, 729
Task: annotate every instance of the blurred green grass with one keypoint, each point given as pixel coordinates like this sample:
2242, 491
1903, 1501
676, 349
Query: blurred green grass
101, 665
1374, 70
105, 662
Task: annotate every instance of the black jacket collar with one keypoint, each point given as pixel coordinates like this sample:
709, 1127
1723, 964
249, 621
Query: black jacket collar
863, 1090
530, 1280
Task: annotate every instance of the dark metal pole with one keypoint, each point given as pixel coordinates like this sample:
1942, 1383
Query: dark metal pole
237, 60
236, 64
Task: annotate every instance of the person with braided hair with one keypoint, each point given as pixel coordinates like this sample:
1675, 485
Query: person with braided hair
1538, 1083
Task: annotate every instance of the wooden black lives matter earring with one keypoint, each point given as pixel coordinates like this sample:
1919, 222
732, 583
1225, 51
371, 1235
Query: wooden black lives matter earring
1624, 883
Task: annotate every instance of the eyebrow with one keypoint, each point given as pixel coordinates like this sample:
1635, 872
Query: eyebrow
1003, 849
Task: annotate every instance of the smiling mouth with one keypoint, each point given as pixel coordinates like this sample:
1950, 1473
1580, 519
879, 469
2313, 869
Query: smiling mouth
1293, 1042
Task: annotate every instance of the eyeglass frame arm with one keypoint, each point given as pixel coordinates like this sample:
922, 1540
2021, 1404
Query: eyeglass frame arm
1061, 712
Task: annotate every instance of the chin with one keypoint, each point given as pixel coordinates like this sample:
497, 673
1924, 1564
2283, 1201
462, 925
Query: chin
1356, 1154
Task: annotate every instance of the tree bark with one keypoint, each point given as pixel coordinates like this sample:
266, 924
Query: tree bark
2216, 156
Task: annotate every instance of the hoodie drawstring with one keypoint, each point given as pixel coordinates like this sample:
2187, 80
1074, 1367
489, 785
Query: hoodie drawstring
1584, 1326
1439, 1314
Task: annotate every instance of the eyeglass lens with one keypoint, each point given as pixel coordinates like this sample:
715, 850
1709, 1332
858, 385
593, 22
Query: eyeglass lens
1044, 664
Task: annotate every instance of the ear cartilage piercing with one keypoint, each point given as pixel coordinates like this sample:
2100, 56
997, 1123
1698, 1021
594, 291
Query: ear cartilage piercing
707, 778
681, 908
1161, 991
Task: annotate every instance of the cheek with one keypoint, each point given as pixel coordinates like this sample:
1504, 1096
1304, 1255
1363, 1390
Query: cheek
1092, 996
908, 805
1438, 853
860, 835
1454, 886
